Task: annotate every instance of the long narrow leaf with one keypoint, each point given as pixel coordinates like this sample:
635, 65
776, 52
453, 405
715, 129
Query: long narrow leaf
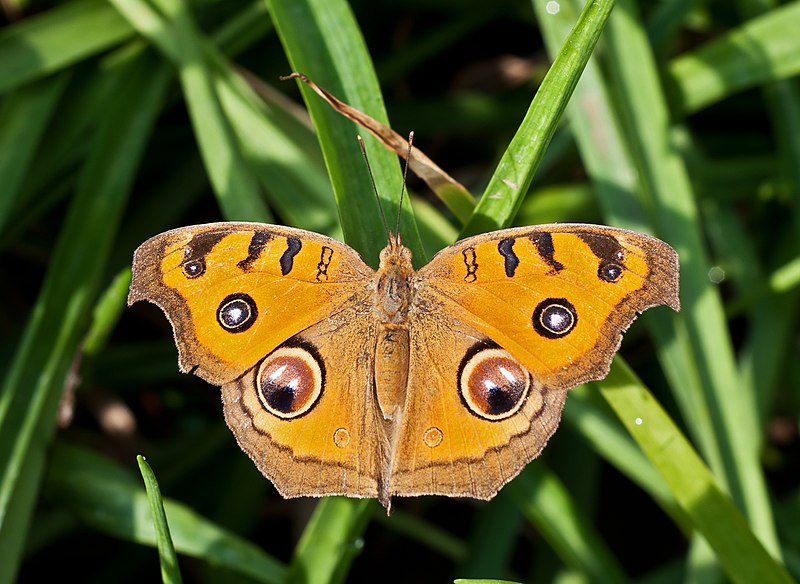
272, 146
322, 40
548, 505
666, 183
32, 387
763, 49
108, 498
170, 573
744, 558
512, 177
23, 118
330, 541
234, 183
57, 38
606, 155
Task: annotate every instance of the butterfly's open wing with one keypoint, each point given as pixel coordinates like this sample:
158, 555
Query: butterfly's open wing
235, 291
503, 324
307, 415
452, 441
281, 318
558, 296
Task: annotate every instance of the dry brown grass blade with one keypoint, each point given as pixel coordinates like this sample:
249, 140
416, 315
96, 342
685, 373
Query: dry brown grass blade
452, 193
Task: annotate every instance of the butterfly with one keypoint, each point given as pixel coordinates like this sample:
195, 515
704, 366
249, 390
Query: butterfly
338, 379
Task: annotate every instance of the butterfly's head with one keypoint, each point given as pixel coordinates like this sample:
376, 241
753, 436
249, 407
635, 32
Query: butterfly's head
395, 254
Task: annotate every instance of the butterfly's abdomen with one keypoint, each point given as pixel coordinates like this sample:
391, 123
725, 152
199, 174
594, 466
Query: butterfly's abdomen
393, 296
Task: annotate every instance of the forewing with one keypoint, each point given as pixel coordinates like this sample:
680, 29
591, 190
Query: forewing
235, 291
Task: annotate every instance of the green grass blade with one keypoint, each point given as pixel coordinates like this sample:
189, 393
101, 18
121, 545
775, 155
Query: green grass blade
606, 155
234, 184
558, 204
666, 183
783, 103
331, 540
769, 300
711, 511
544, 500
761, 50
322, 40
108, 498
512, 177
482, 581
493, 533
106, 313
283, 154
278, 150
40, 45
608, 438
24, 115
51, 178
32, 387
678, 354
170, 572
594, 124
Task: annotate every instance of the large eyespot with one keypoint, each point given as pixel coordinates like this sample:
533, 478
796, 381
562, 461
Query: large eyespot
290, 380
554, 318
492, 384
237, 313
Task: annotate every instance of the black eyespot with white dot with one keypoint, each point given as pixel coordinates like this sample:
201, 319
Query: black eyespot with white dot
554, 318
194, 268
237, 313
196, 250
609, 271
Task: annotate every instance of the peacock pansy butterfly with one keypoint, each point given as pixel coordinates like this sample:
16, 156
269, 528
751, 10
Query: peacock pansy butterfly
341, 380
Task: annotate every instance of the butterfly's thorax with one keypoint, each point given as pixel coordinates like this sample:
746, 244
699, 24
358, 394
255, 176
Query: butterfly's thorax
393, 291
393, 296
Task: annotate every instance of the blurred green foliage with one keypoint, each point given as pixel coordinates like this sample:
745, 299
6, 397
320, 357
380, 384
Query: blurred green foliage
124, 118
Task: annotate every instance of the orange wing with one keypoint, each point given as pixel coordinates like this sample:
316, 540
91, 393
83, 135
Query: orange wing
502, 325
558, 297
451, 441
318, 431
235, 291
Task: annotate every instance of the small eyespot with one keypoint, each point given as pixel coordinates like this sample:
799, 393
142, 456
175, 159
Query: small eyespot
554, 318
432, 437
341, 437
609, 271
237, 313
194, 268
289, 382
492, 384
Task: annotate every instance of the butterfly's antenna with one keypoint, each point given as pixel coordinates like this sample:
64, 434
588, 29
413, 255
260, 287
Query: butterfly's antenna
405, 174
374, 188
